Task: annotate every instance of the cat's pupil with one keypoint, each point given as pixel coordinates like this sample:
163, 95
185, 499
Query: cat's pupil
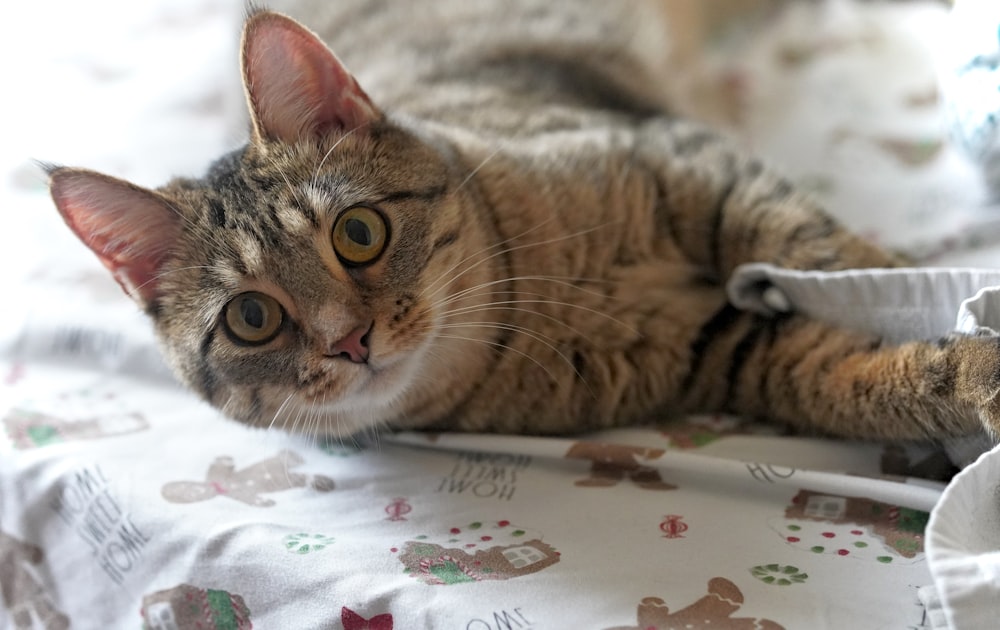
252, 313
358, 232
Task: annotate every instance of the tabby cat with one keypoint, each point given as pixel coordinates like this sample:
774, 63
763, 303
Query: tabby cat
503, 230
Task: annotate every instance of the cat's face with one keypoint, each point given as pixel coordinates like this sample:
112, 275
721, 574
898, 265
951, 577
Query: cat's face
311, 286
309, 281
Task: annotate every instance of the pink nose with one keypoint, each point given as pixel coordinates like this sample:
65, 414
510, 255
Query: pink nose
353, 347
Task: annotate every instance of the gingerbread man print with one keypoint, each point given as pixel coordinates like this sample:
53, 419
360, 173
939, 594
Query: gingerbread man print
23, 596
713, 610
610, 464
248, 484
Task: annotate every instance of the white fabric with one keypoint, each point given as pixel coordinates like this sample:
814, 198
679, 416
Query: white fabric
896, 304
98, 445
963, 544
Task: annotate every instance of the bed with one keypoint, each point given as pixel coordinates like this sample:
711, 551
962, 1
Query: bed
125, 502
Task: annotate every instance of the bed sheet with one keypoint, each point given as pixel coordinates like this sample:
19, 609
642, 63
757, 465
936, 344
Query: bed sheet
125, 502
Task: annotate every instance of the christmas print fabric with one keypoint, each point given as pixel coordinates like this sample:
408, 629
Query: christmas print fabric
124, 499
126, 503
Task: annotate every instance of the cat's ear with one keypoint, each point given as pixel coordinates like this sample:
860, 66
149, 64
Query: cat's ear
131, 229
296, 87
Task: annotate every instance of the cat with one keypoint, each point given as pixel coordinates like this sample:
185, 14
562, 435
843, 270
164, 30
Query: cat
497, 224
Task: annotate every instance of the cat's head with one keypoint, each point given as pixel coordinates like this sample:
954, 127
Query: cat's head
310, 279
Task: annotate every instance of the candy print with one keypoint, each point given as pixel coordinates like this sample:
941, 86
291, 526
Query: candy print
306, 543
398, 509
673, 526
778, 575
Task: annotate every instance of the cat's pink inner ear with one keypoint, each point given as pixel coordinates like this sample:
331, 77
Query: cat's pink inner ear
296, 86
131, 229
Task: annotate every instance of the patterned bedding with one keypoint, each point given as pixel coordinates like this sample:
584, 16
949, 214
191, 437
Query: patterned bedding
126, 503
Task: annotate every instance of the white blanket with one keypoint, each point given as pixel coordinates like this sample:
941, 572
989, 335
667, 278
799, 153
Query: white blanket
126, 502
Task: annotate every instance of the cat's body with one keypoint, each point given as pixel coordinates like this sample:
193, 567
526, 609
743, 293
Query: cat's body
523, 241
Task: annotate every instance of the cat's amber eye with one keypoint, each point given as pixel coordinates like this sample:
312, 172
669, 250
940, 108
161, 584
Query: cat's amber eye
359, 235
253, 318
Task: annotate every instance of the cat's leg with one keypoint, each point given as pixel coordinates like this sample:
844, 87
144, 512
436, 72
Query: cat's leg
818, 377
723, 208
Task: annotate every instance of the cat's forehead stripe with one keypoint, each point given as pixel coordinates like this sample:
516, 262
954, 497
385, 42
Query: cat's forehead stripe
318, 199
230, 273
297, 220
428, 195
251, 252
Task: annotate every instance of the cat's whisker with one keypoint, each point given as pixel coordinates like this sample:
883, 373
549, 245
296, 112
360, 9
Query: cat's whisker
473, 308
281, 408
307, 421
567, 281
487, 308
310, 418
373, 429
316, 423
499, 345
159, 276
298, 416
278, 418
295, 192
479, 252
326, 156
452, 303
478, 168
543, 339
350, 435
515, 248
355, 440
163, 274
224, 407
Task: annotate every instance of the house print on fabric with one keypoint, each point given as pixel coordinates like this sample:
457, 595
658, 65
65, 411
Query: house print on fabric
76, 414
30, 429
853, 527
475, 553
186, 606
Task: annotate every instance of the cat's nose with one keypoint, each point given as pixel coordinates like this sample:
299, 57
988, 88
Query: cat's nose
354, 346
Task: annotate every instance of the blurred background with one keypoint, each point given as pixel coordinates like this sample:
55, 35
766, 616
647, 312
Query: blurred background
846, 96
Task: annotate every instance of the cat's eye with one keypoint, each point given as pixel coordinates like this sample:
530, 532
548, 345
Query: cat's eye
359, 235
253, 318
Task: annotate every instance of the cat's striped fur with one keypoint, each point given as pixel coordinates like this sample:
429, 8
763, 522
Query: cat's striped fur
555, 243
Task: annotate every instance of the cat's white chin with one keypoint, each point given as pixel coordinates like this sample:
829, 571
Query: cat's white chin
373, 398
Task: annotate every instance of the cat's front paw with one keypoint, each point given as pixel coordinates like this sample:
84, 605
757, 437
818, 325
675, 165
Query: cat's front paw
972, 371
